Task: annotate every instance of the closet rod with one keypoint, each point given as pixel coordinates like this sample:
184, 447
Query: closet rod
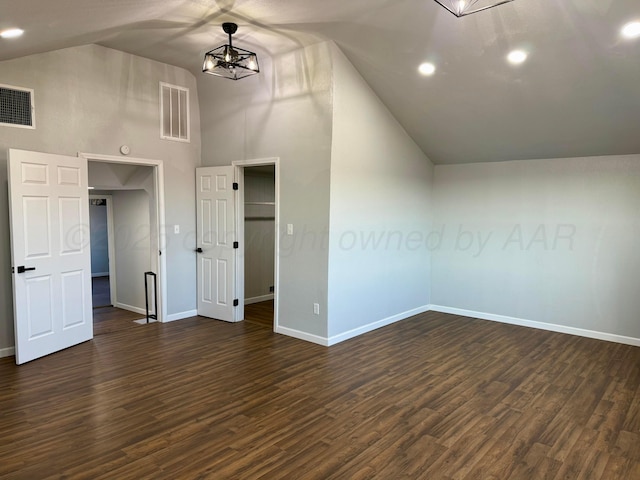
259, 218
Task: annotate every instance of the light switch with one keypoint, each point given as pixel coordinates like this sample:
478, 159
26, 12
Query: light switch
289, 228
176, 229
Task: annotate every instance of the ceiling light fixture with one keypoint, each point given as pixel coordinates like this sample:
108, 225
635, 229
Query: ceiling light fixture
427, 69
11, 33
460, 8
228, 61
631, 30
517, 57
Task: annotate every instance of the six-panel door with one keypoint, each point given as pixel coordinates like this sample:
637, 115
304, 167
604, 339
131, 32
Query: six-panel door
49, 206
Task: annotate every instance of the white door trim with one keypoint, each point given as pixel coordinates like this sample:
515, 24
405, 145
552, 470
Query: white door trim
239, 175
110, 245
160, 263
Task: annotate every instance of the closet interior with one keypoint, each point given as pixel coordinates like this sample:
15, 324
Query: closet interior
259, 231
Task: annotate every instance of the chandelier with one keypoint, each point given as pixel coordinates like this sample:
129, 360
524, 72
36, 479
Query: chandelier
460, 8
228, 61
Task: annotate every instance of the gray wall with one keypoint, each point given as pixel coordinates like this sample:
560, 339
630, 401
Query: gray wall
552, 241
259, 234
99, 239
284, 112
6, 288
94, 99
381, 182
133, 256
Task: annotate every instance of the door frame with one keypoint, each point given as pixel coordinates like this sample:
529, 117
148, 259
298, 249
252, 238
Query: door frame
160, 261
239, 166
110, 245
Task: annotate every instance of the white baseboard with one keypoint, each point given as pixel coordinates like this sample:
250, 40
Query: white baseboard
290, 332
7, 352
581, 332
131, 308
180, 316
262, 298
100, 274
341, 337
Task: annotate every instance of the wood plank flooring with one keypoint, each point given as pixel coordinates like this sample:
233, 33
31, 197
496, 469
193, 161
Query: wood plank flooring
260, 313
100, 292
433, 397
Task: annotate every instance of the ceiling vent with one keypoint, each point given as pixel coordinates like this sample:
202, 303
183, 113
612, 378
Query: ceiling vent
16, 107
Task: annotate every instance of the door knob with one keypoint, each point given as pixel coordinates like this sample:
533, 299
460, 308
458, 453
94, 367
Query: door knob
22, 269
198, 250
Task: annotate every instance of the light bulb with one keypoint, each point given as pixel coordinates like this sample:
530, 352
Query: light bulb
631, 30
209, 64
252, 64
517, 57
11, 33
427, 69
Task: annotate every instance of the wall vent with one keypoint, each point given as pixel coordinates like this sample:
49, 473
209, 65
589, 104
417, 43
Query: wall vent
174, 113
16, 107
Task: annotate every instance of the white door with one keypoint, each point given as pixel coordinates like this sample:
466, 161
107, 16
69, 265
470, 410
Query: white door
215, 242
50, 254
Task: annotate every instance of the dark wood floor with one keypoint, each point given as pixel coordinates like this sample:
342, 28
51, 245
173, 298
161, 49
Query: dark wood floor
100, 292
434, 397
260, 313
113, 320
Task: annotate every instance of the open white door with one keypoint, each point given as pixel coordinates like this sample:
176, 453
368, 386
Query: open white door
215, 242
49, 204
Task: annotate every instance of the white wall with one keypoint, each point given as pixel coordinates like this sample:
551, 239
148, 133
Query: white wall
259, 234
284, 112
552, 241
94, 99
381, 182
131, 222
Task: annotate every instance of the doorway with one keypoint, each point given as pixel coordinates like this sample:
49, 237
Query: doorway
259, 244
102, 251
135, 188
257, 275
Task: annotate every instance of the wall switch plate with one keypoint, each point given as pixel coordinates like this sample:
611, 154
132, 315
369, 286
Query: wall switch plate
289, 228
176, 229
316, 309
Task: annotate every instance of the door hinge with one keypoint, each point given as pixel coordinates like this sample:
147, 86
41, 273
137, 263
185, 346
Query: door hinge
236, 245
236, 302
235, 186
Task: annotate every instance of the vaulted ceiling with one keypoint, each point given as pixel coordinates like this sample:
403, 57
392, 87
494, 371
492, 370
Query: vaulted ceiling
578, 93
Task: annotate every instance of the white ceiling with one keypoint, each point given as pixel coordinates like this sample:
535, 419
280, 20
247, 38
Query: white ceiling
577, 95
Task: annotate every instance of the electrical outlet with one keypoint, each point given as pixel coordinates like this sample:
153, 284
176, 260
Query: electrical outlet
289, 228
272, 289
176, 229
316, 309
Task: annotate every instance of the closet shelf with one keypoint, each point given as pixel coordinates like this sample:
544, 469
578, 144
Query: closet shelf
260, 203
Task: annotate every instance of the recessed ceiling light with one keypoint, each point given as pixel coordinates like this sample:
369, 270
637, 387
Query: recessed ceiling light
11, 33
517, 57
631, 30
427, 69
